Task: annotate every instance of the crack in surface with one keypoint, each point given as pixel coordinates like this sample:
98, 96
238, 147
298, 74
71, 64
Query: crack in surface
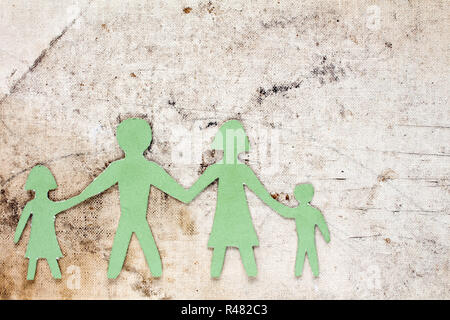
276, 89
36, 62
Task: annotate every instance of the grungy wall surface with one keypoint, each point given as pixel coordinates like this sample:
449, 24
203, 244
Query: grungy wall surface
349, 95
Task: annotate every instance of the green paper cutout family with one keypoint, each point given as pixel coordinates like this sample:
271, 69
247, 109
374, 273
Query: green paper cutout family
134, 174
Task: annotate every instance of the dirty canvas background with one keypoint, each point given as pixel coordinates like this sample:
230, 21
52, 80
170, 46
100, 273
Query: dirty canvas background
351, 96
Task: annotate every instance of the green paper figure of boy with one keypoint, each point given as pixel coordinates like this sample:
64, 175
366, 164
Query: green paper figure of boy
306, 218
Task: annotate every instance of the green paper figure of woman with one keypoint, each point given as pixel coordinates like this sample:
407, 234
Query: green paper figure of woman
232, 226
43, 243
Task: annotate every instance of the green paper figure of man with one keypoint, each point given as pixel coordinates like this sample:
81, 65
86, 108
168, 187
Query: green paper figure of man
134, 175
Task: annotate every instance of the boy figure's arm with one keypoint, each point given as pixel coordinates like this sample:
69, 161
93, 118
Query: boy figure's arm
22, 222
285, 211
322, 225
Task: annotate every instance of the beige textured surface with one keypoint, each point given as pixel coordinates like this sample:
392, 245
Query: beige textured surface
349, 95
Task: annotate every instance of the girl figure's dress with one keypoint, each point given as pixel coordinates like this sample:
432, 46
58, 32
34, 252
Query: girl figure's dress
43, 242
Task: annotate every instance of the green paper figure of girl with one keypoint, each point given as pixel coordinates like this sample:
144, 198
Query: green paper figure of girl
43, 243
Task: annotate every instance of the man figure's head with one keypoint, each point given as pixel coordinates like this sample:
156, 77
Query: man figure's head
134, 136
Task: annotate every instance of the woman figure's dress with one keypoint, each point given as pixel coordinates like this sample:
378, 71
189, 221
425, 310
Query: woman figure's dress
232, 226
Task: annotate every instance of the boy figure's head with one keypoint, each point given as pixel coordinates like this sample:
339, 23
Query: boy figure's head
304, 193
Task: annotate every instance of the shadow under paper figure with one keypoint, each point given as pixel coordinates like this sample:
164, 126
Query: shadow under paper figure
43, 242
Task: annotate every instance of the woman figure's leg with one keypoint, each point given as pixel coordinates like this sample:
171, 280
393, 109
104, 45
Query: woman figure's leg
31, 268
54, 268
217, 261
248, 260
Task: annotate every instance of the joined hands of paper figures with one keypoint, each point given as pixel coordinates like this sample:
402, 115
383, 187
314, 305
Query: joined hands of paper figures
134, 174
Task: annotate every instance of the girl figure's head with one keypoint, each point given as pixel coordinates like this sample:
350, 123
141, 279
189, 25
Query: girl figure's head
232, 139
40, 180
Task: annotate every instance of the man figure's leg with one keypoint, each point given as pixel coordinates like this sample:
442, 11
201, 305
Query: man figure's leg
148, 245
119, 250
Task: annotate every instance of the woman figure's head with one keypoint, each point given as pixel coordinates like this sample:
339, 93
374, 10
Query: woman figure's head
232, 139
40, 179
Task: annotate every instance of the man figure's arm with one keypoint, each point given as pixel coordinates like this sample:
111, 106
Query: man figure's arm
210, 175
164, 182
105, 180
